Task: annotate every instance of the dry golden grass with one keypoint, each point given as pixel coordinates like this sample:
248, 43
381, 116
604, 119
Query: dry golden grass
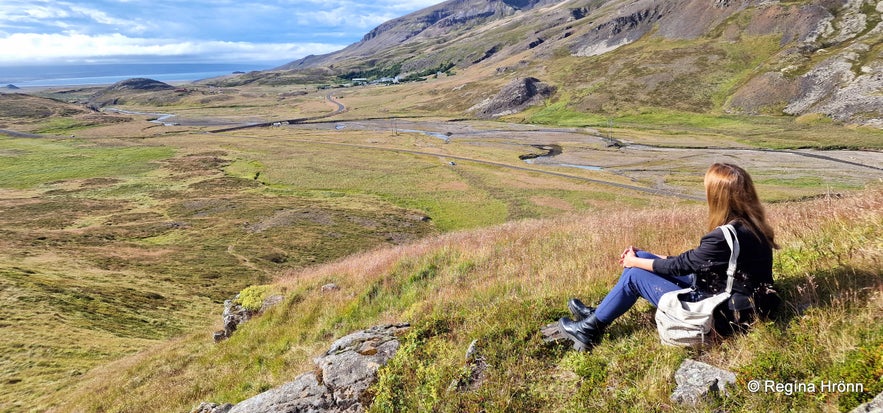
500, 284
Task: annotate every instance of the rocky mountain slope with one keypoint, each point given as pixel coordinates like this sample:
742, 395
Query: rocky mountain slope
721, 56
407, 40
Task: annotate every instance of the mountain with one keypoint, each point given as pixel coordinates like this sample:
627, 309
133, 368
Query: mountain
424, 38
609, 57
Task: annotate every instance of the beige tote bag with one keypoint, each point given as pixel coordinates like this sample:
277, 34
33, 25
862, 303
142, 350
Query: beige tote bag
687, 324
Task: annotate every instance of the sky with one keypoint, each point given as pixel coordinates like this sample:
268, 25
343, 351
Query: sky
40, 32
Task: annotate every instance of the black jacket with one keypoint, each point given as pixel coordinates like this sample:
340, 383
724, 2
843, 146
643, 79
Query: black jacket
713, 254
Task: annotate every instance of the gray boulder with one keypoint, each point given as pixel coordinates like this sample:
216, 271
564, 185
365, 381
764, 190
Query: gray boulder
476, 371
873, 406
235, 314
304, 394
339, 383
212, 408
698, 381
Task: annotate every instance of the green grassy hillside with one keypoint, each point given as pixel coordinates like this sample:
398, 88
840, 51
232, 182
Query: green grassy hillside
500, 284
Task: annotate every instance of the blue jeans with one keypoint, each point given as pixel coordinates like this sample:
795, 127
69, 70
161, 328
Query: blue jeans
634, 283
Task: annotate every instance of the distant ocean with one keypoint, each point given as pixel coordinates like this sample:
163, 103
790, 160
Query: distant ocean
105, 74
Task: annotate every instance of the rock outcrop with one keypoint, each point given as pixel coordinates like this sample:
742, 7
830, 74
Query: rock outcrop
475, 370
339, 383
873, 406
698, 381
430, 24
837, 90
212, 408
516, 96
634, 22
235, 314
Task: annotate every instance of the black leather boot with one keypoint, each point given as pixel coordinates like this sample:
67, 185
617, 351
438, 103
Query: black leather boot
579, 310
584, 333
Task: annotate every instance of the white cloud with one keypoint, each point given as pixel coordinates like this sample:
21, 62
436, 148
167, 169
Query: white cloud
39, 31
98, 16
356, 15
29, 13
357, 6
409, 4
341, 17
30, 48
42, 13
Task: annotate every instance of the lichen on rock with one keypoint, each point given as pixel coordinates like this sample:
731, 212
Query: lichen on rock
340, 381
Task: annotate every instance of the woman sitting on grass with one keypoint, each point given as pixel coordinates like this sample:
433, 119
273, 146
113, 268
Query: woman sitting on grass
731, 199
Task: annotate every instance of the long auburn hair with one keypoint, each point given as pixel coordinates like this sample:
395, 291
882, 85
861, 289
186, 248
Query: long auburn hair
731, 196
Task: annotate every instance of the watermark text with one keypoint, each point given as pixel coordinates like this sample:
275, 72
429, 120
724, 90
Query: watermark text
791, 388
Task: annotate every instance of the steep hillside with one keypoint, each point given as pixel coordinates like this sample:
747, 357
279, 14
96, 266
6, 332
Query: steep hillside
611, 57
498, 285
406, 41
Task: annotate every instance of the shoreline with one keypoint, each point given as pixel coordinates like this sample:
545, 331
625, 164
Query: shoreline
97, 76
86, 85
82, 86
